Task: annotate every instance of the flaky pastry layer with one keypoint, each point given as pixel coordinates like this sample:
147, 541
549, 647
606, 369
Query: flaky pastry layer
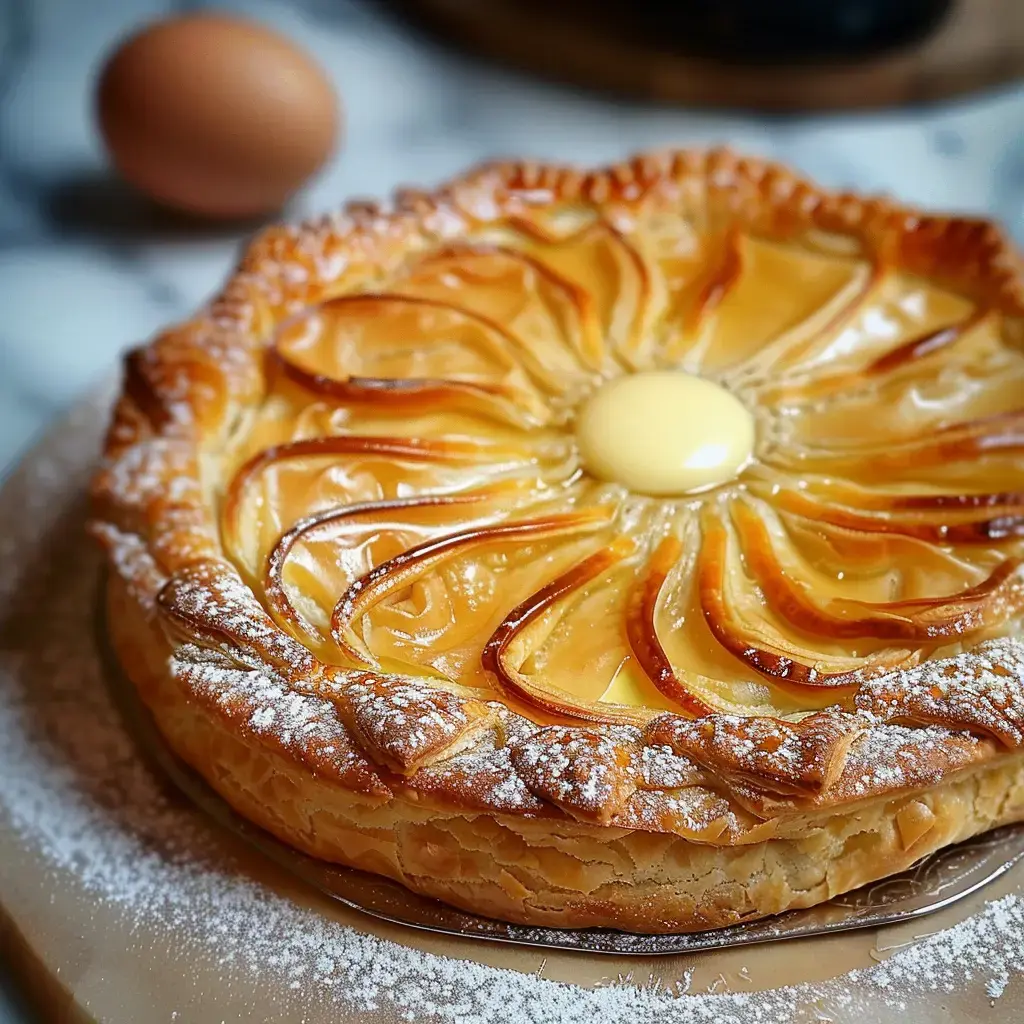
657, 823
543, 868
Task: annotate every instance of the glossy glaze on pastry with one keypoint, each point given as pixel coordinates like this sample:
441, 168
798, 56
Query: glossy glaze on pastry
639, 547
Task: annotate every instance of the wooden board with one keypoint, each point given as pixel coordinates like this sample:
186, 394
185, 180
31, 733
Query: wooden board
980, 43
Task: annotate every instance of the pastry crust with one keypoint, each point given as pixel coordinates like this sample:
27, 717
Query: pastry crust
639, 820
546, 869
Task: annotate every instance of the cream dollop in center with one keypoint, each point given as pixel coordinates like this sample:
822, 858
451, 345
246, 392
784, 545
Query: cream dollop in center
664, 432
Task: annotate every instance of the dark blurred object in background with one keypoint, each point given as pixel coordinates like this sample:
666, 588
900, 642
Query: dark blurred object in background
767, 31
759, 54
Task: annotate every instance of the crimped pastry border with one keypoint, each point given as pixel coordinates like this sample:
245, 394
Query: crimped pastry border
541, 869
719, 779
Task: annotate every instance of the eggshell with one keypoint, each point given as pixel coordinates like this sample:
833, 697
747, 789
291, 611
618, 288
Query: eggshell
216, 115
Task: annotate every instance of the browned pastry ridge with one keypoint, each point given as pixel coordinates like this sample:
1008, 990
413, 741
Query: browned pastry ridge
367, 589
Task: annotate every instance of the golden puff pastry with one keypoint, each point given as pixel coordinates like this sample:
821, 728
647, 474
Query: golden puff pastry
638, 547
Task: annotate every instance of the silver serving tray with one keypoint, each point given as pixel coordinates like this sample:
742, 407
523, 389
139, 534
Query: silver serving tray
933, 883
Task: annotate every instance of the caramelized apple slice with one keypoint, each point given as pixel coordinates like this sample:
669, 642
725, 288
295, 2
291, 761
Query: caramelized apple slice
982, 529
378, 513
803, 387
872, 568
914, 621
964, 442
865, 499
399, 572
791, 350
922, 346
512, 642
961, 441
693, 305
552, 316
898, 414
750, 308
643, 634
605, 265
773, 657
399, 449
720, 282
408, 351
402, 397
894, 308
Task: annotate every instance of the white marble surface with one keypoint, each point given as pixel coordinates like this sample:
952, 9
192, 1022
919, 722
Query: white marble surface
86, 269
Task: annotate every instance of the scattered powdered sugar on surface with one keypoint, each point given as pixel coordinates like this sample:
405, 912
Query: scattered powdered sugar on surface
76, 794
995, 987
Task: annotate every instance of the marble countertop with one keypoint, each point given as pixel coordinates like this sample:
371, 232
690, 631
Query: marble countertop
87, 269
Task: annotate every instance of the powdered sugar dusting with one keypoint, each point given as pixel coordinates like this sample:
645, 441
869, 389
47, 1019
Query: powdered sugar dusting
76, 794
982, 690
579, 767
893, 756
484, 777
156, 468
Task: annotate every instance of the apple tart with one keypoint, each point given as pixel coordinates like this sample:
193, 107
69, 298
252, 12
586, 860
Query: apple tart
637, 548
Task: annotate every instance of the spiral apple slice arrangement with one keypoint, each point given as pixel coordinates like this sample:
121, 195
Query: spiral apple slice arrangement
444, 525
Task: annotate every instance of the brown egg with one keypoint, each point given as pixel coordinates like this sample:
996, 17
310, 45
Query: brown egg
216, 115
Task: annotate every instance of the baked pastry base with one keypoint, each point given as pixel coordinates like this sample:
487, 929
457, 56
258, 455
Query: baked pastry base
560, 873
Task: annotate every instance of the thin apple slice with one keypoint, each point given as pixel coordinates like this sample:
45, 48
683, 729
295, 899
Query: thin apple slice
720, 282
399, 350
768, 370
692, 305
773, 657
957, 442
926, 504
977, 530
643, 634
905, 357
924, 345
400, 449
694, 313
914, 621
468, 270
1004, 501
399, 572
503, 345
405, 396
763, 301
511, 643
352, 515
625, 329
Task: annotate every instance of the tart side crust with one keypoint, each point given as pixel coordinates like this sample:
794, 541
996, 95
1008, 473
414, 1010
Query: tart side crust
538, 870
919, 759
